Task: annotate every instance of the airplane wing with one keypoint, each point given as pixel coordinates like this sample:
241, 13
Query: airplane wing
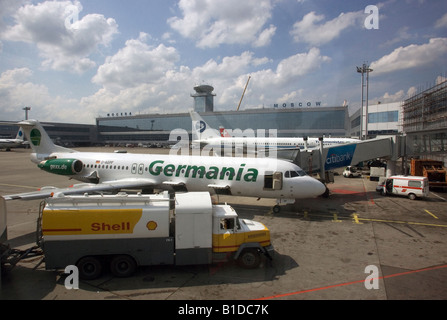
81, 188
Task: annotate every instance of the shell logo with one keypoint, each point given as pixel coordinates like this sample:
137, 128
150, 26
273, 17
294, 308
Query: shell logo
151, 225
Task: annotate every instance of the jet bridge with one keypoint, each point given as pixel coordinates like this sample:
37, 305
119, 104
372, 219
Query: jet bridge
333, 157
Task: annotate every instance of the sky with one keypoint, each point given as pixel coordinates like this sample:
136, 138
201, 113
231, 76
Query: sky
74, 61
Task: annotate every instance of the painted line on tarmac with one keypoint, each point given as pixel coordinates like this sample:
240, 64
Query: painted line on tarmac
431, 214
436, 195
352, 282
404, 222
357, 220
18, 186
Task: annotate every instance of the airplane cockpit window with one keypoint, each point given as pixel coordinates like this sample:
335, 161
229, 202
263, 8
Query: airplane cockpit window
292, 174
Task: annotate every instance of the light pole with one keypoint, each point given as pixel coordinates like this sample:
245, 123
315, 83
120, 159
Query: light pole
26, 112
364, 113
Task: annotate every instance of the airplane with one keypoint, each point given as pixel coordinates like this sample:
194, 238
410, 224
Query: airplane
238, 176
224, 133
207, 136
13, 143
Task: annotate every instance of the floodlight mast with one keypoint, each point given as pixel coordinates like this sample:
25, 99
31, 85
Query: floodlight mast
364, 113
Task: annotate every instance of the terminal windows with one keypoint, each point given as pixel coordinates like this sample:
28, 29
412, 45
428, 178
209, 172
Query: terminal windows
387, 116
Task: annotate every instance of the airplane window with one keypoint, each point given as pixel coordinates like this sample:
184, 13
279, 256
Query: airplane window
293, 174
301, 173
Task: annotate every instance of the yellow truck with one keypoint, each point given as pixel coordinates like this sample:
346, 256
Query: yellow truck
126, 231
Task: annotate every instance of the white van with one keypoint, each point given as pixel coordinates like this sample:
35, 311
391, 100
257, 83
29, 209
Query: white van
410, 186
351, 172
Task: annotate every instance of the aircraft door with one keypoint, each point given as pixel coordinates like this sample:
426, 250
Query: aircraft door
277, 181
273, 181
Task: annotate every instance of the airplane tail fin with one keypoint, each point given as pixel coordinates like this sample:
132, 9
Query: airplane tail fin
224, 133
20, 134
39, 140
201, 130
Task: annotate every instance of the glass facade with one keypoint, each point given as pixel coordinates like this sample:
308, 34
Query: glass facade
329, 121
382, 117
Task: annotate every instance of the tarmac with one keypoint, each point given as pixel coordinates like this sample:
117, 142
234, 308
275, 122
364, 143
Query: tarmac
354, 245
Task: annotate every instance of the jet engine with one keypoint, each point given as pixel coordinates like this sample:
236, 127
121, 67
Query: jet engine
65, 167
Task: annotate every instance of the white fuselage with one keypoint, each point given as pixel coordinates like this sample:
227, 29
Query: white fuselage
10, 143
243, 176
260, 144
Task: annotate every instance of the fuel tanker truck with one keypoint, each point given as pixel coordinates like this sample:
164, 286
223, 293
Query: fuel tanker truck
125, 231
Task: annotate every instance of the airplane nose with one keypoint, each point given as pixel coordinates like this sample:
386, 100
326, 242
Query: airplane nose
315, 187
320, 188
308, 188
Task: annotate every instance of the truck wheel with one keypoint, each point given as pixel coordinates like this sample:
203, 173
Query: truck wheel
123, 266
276, 209
249, 259
89, 268
412, 196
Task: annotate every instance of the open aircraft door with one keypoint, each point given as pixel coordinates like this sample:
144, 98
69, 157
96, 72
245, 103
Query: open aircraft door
273, 181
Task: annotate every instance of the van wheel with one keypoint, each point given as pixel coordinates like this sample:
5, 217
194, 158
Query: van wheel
412, 196
249, 259
89, 268
123, 266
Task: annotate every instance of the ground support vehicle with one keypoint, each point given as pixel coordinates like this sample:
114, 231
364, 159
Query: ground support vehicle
9, 257
351, 172
125, 231
410, 186
433, 170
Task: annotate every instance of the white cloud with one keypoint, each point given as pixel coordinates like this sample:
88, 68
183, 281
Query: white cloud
61, 48
411, 56
300, 64
212, 23
18, 91
169, 91
442, 22
136, 63
311, 30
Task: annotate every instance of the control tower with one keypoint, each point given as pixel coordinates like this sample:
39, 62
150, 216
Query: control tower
203, 98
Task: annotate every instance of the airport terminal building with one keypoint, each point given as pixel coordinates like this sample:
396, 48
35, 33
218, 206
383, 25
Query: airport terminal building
288, 121
422, 118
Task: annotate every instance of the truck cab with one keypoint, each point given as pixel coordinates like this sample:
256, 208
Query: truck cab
245, 239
